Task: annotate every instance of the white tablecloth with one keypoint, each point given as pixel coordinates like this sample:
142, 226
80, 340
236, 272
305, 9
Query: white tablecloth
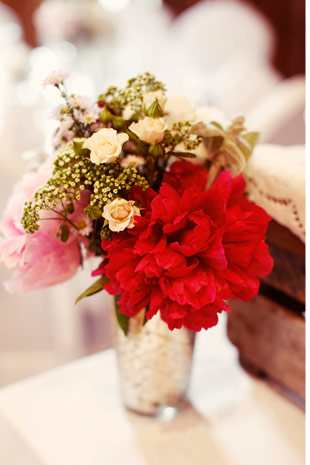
73, 416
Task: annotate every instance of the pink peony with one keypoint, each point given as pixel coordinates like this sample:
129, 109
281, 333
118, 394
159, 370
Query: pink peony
38, 259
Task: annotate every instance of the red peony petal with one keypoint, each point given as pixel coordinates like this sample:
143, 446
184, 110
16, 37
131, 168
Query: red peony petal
187, 174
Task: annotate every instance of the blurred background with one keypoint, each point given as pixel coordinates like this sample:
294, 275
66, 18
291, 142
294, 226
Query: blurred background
242, 56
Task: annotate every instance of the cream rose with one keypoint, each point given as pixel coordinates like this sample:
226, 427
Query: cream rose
120, 214
105, 145
149, 130
150, 97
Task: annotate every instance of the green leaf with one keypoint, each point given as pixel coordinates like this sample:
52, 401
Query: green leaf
251, 138
95, 247
65, 233
101, 98
70, 208
145, 318
78, 148
200, 129
142, 147
133, 137
218, 125
93, 289
105, 116
123, 320
183, 154
93, 212
118, 122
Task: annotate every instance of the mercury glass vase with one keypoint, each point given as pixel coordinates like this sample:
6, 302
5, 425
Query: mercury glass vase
154, 365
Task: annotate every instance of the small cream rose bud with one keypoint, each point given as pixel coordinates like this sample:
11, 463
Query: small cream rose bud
105, 145
120, 214
131, 159
150, 97
149, 130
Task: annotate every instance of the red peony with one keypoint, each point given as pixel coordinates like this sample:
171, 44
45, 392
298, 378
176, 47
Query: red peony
191, 250
244, 242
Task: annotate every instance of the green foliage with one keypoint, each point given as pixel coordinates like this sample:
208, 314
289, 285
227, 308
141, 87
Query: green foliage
184, 155
123, 320
93, 212
251, 138
132, 95
65, 232
70, 208
93, 289
230, 148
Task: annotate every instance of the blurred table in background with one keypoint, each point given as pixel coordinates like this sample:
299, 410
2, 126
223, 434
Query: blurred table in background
74, 416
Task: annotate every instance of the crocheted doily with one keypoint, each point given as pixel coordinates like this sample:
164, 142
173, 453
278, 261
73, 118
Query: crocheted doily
275, 178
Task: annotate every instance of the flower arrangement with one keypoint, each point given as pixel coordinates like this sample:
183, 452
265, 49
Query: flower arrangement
155, 192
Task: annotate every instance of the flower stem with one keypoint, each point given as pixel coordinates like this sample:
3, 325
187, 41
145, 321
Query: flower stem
214, 171
65, 218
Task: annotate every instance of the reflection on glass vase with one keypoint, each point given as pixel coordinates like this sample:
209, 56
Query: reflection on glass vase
154, 364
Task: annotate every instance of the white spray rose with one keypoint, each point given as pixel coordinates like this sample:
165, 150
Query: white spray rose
178, 109
105, 145
150, 97
208, 114
128, 113
120, 214
149, 130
